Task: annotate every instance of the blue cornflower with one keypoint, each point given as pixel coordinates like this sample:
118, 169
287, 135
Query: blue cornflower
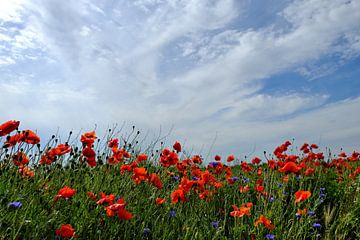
246, 180
317, 225
195, 178
146, 232
280, 185
214, 164
322, 189
270, 236
215, 224
285, 193
298, 177
172, 213
272, 199
176, 178
235, 178
322, 195
15, 204
310, 213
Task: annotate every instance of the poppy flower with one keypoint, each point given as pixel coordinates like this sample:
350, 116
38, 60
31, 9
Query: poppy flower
290, 167
25, 171
217, 158
20, 158
65, 231
156, 181
256, 160
267, 223
243, 210
230, 158
65, 192
88, 138
113, 143
8, 127
302, 195
168, 158
141, 157
30, 137
139, 175
106, 198
177, 147
160, 201
91, 195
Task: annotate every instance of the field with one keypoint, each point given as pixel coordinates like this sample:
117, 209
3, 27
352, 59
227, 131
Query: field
113, 188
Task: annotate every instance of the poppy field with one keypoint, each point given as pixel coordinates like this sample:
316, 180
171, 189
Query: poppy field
87, 187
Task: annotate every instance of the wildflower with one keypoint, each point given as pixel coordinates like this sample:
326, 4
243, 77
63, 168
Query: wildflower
8, 127
172, 213
272, 199
215, 224
322, 195
235, 179
322, 189
213, 164
113, 143
65, 231
15, 204
217, 158
290, 167
91, 195
267, 223
177, 147
141, 157
302, 195
25, 171
65, 192
175, 178
243, 210
195, 178
310, 213
230, 158
106, 198
20, 159
88, 138
317, 225
156, 181
160, 201
146, 232
256, 160
30, 137
270, 236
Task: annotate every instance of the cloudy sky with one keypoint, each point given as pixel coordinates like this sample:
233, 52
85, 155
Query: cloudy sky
228, 76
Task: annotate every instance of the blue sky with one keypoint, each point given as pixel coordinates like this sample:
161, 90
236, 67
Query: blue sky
229, 77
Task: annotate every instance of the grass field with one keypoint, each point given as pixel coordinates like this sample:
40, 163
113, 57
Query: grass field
112, 189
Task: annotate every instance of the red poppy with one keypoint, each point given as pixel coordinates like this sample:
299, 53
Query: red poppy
267, 223
106, 198
8, 127
217, 158
65, 192
139, 175
259, 188
160, 201
290, 167
302, 195
230, 158
113, 143
309, 171
168, 158
91, 195
30, 137
242, 211
88, 138
20, 159
244, 189
256, 160
25, 171
65, 231
177, 147
156, 181
141, 157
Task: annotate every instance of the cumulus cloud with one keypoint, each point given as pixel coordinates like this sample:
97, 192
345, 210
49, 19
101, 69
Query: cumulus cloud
177, 63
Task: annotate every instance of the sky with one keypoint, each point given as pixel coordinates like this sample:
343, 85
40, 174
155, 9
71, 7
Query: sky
222, 77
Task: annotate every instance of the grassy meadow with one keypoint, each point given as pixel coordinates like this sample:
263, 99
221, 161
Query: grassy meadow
113, 188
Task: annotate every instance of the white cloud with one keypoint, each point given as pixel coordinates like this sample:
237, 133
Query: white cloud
181, 63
